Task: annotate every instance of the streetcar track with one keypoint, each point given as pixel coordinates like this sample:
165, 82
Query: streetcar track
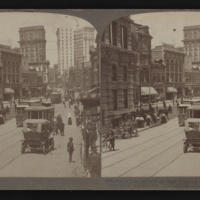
142, 143
167, 164
150, 159
9, 147
140, 151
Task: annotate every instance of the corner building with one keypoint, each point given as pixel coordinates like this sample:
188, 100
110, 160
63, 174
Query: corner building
125, 50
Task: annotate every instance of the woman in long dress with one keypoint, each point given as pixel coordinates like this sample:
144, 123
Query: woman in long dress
69, 119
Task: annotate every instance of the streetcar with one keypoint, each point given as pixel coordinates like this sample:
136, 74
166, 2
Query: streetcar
56, 97
182, 113
38, 135
29, 101
20, 114
193, 111
191, 101
192, 133
40, 111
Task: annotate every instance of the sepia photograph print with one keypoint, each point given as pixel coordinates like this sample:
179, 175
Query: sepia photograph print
150, 95
49, 96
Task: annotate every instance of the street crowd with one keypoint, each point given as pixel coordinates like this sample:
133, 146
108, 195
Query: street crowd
139, 119
90, 129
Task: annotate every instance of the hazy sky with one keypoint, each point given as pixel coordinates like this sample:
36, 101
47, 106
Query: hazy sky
11, 22
162, 25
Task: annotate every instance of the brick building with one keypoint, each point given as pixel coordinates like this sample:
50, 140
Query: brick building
173, 59
125, 65
10, 72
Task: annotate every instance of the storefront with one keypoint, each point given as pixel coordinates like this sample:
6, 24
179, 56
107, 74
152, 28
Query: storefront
8, 94
171, 93
148, 93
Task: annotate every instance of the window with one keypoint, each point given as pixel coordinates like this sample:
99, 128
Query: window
125, 99
113, 33
114, 92
123, 37
124, 73
114, 73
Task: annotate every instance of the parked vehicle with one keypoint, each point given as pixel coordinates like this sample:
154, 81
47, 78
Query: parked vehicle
38, 135
192, 133
20, 114
193, 111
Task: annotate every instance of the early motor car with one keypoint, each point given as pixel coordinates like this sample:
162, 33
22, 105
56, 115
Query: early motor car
38, 135
192, 133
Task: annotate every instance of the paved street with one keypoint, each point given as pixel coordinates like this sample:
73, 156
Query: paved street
157, 151
35, 164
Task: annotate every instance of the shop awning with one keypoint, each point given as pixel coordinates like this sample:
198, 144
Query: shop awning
147, 90
171, 89
8, 91
95, 89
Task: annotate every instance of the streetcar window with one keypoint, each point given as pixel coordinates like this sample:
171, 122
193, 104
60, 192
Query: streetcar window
40, 115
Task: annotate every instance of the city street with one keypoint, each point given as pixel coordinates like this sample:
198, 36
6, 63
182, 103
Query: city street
157, 151
35, 164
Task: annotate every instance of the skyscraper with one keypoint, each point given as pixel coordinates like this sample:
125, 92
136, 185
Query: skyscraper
32, 43
65, 44
83, 38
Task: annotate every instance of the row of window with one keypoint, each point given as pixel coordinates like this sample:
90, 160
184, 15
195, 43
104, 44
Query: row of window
9, 78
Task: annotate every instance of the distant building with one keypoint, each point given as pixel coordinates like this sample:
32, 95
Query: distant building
191, 41
33, 47
174, 59
83, 38
10, 72
33, 43
65, 45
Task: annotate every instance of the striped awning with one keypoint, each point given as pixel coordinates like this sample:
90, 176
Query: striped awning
148, 90
8, 91
171, 89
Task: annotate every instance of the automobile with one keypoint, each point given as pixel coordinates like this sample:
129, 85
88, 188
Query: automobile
192, 133
38, 135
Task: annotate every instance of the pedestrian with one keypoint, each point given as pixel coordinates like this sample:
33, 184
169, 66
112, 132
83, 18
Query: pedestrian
7, 110
10, 103
157, 107
64, 103
170, 109
69, 103
112, 140
15, 105
55, 131
177, 105
69, 119
70, 148
62, 128
93, 163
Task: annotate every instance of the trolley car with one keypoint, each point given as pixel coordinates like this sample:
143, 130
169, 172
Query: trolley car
56, 97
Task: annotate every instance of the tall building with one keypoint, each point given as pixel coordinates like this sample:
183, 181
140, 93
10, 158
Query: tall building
65, 44
125, 61
33, 43
84, 38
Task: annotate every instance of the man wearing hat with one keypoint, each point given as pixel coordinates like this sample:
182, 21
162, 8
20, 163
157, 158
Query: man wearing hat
93, 164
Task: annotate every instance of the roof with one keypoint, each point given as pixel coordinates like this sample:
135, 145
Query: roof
36, 121
184, 105
22, 106
38, 108
55, 93
192, 100
194, 107
192, 120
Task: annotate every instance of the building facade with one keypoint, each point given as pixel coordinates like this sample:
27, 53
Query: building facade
125, 62
174, 59
65, 45
83, 38
33, 43
10, 72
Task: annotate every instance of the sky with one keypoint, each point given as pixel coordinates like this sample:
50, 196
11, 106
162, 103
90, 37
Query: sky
11, 22
161, 25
